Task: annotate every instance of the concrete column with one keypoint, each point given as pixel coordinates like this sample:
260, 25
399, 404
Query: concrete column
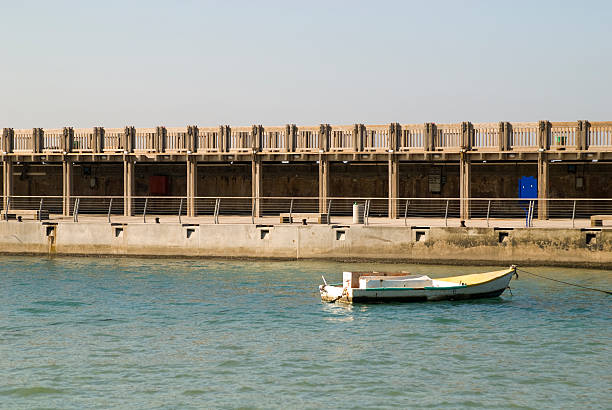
7, 181
67, 169
256, 184
128, 185
323, 184
192, 185
393, 186
464, 186
543, 176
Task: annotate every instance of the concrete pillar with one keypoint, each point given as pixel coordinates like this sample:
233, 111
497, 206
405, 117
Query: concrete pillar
128, 185
393, 186
582, 135
323, 184
324, 132
430, 136
192, 185
505, 136
467, 132
7, 140
67, 169
543, 177
256, 184
544, 128
464, 186
7, 181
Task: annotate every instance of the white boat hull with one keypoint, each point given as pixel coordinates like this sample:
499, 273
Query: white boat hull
488, 289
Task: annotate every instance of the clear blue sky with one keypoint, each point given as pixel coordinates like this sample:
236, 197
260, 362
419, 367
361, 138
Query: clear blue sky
173, 63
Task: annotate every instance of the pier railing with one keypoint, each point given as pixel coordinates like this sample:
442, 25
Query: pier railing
465, 136
376, 211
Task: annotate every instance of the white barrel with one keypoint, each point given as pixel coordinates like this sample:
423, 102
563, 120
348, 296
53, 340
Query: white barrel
357, 213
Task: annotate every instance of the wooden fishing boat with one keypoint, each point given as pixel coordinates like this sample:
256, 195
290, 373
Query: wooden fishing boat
359, 287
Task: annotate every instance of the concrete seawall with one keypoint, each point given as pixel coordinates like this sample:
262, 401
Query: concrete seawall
560, 247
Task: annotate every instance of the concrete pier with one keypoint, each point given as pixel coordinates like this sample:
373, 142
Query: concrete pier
421, 244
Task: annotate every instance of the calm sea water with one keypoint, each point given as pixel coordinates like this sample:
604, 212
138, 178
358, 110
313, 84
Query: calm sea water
137, 333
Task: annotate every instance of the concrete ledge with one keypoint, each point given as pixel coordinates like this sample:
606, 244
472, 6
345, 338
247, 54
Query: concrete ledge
554, 247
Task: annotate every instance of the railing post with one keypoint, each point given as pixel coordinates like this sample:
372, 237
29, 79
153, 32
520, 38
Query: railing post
446, 214
110, 207
291, 210
256, 184
323, 183
329, 211
67, 171
144, 211
128, 184
488, 212
393, 177
7, 180
217, 206
8, 206
180, 211
192, 184
574, 215
75, 211
40, 206
464, 185
543, 179
406, 212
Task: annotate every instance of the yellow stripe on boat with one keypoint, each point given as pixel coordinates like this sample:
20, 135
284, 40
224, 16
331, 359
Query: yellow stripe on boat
477, 278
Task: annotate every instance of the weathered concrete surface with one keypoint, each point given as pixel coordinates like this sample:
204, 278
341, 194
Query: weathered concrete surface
561, 247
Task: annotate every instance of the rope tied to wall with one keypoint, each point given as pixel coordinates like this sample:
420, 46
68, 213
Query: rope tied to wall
565, 283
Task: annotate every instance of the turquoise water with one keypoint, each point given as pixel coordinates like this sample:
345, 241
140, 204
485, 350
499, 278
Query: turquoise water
137, 333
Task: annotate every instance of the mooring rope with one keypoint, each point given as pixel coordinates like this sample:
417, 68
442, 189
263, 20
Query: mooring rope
566, 283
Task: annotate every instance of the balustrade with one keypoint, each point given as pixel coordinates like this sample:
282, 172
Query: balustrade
144, 140
240, 139
52, 140
600, 135
176, 140
23, 140
524, 135
308, 139
208, 140
448, 136
274, 139
411, 137
486, 136
113, 140
342, 138
82, 140
376, 138
562, 135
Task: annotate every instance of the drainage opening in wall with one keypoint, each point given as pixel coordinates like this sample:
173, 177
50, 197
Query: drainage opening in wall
264, 233
590, 239
118, 232
419, 236
340, 235
189, 232
50, 231
502, 237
